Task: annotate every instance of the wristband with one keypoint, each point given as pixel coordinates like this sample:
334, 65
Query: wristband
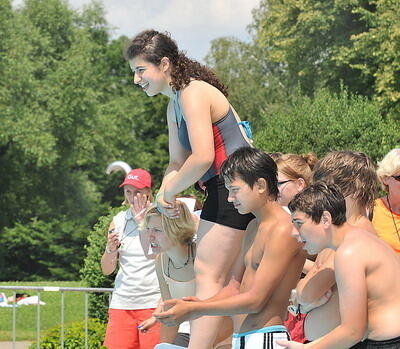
156, 202
108, 250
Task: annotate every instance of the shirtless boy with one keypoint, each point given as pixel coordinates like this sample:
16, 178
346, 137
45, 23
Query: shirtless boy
366, 272
270, 262
355, 176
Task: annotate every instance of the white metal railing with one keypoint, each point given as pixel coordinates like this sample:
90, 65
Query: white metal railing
62, 290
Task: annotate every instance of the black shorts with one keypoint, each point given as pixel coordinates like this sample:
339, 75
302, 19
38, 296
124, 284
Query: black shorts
393, 343
217, 209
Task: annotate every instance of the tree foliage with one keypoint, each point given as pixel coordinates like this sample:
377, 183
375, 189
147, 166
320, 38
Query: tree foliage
318, 75
375, 52
253, 83
323, 43
43, 250
67, 111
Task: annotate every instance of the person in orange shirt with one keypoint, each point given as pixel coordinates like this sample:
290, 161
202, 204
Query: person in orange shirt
386, 214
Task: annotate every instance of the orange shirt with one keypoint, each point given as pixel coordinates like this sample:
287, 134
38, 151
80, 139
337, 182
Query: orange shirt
383, 223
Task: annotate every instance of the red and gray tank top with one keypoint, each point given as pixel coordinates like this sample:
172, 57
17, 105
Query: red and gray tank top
227, 137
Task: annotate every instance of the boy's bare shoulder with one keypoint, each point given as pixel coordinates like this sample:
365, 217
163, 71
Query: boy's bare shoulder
281, 225
278, 235
357, 242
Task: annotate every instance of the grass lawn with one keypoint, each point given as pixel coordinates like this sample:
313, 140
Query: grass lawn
50, 314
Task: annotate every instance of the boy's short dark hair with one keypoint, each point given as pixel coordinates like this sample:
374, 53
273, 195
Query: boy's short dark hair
320, 197
250, 164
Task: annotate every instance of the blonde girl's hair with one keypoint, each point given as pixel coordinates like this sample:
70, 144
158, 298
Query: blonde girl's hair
296, 166
389, 166
180, 230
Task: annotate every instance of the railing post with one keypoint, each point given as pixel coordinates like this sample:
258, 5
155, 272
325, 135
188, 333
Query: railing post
14, 316
38, 322
62, 319
39, 289
86, 319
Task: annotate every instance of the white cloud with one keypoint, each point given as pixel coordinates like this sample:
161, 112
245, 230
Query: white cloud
193, 23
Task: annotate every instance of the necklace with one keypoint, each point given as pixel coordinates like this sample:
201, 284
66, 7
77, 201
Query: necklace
189, 255
394, 221
123, 237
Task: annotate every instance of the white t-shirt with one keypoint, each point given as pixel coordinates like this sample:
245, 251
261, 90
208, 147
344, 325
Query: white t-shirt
136, 285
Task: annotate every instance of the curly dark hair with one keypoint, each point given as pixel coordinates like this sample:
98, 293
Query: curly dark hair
153, 46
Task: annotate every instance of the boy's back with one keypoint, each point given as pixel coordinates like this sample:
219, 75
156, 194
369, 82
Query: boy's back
372, 268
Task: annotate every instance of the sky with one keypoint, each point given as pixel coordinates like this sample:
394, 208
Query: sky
192, 23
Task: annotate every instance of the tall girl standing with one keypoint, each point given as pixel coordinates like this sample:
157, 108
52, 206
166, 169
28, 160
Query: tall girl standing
203, 131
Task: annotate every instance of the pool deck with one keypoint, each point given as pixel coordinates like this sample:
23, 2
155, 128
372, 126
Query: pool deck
18, 345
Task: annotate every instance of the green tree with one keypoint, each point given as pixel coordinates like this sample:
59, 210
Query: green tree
252, 82
375, 52
67, 111
323, 43
42, 250
305, 38
49, 108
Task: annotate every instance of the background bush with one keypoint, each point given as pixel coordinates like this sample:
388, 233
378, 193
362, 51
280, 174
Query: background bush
91, 271
43, 250
74, 336
328, 122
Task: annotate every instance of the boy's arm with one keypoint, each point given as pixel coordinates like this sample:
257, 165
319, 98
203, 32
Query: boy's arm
351, 281
318, 280
278, 253
353, 300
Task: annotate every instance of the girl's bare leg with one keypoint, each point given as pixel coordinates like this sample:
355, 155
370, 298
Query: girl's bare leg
217, 249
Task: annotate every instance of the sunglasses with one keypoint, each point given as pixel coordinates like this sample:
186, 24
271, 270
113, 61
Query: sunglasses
396, 178
283, 182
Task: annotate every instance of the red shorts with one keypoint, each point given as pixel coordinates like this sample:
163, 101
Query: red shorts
295, 326
123, 332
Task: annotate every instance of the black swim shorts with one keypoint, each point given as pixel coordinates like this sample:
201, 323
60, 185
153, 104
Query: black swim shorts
217, 209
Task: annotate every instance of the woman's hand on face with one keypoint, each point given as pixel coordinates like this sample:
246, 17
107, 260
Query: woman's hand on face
139, 206
166, 204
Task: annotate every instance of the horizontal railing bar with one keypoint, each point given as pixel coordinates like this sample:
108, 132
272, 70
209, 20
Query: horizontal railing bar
56, 289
